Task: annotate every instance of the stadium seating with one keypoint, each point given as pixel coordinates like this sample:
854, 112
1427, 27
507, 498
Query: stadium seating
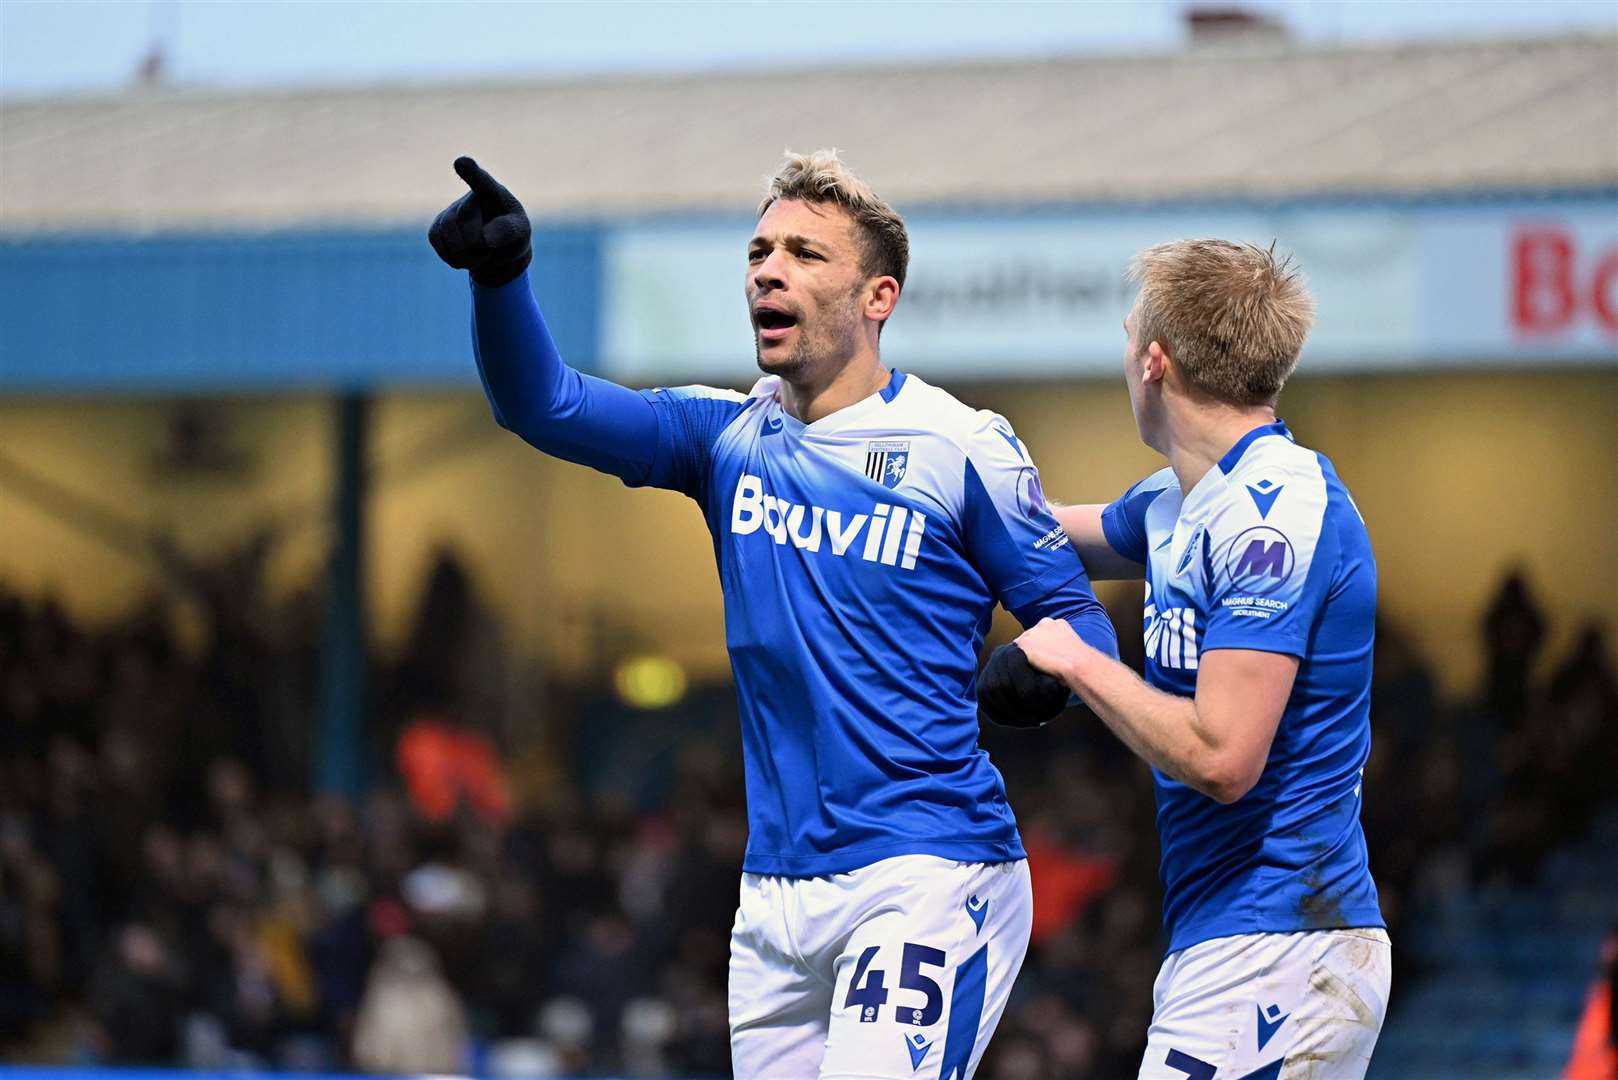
1505, 975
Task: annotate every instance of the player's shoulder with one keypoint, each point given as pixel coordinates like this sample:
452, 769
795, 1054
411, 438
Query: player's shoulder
696, 392
1277, 460
1273, 452
701, 415
974, 431
1142, 506
1152, 486
767, 388
1279, 485
1272, 460
923, 405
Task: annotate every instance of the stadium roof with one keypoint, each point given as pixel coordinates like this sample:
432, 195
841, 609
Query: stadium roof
1250, 120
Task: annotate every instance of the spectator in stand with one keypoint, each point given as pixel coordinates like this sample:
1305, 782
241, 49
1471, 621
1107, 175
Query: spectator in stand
410, 1020
514, 957
135, 999
1404, 701
1580, 736
447, 768
1595, 1047
29, 960
1513, 632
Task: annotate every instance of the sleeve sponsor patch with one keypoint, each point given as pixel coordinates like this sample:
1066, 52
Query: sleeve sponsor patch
1030, 495
1253, 607
1260, 560
1056, 538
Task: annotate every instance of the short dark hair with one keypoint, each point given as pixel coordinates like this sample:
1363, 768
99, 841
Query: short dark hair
821, 177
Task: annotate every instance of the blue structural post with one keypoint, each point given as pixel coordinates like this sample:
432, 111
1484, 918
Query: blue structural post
340, 763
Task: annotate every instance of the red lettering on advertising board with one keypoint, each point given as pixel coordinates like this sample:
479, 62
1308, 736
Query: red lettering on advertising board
1549, 294
1542, 280
1604, 292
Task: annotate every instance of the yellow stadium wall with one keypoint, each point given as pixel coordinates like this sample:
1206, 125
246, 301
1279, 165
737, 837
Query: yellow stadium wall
104, 451
1458, 476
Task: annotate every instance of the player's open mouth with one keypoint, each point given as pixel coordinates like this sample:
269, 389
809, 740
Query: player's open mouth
773, 324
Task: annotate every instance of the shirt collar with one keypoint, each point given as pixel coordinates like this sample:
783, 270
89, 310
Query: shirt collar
1234, 454
835, 420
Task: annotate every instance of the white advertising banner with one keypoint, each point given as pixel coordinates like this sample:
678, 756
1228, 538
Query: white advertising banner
1042, 293
1524, 284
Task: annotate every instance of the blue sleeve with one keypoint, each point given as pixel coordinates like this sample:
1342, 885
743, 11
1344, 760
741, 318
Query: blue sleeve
1124, 520
1016, 544
689, 420
553, 407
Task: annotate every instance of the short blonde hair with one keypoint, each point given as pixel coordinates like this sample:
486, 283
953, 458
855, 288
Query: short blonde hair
821, 177
1233, 316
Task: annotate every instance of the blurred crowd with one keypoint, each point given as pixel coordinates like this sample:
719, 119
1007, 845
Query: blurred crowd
173, 891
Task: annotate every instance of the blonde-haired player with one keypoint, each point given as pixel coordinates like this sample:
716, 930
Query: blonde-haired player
865, 523
1254, 715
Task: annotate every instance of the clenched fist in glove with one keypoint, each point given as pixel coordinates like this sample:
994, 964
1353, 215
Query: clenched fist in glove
1014, 693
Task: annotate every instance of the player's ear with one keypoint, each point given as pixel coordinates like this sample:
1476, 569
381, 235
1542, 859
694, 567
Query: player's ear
881, 294
1156, 367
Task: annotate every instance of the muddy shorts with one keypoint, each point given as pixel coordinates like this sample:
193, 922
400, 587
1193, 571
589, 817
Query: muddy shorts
1303, 1006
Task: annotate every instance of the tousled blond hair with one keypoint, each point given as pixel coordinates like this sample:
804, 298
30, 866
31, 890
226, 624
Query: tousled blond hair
821, 177
1233, 316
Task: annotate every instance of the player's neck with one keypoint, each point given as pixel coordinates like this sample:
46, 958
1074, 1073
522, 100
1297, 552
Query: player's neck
1204, 434
810, 399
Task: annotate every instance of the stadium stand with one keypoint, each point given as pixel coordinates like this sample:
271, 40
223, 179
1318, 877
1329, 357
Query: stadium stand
226, 918
1506, 972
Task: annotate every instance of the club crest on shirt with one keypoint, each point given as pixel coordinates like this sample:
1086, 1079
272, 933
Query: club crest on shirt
1191, 547
887, 461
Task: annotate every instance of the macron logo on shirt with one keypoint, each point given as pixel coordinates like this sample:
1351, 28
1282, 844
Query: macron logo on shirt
892, 534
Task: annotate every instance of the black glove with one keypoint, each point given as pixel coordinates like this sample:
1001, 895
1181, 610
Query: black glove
485, 231
1014, 693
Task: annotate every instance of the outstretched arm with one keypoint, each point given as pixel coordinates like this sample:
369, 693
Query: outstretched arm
1101, 561
553, 407
532, 392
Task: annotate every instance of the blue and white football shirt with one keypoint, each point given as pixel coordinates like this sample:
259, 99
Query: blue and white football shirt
1266, 552
861, 557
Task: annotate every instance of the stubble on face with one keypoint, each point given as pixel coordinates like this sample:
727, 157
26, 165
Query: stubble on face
832, 335
822, 282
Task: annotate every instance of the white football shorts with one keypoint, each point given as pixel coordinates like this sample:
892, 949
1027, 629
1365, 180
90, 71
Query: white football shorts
896, 971
1270, 1007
